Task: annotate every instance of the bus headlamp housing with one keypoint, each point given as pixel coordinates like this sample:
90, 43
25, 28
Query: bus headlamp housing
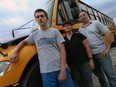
4, 67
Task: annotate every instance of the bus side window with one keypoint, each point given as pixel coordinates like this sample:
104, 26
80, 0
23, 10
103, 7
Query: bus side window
61, 17
74, 9
72, 3
68, 10
71, 10
75, 13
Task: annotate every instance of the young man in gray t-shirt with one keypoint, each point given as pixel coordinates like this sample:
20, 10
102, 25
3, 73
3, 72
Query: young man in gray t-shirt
51, 52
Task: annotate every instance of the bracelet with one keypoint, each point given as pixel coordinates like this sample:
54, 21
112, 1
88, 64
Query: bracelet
90, 58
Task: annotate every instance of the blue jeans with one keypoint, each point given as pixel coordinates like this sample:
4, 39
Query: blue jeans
82, 75
103, 67
51, 79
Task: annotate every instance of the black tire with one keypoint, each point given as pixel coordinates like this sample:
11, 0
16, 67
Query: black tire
113, 44
32, 77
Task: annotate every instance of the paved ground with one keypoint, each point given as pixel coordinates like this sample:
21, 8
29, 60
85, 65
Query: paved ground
113, 57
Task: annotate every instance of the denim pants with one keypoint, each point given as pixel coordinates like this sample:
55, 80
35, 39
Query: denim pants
103, 67
82, 75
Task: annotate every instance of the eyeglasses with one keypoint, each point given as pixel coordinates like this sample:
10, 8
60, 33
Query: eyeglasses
40, 16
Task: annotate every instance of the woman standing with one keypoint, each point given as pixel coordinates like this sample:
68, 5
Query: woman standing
79, 56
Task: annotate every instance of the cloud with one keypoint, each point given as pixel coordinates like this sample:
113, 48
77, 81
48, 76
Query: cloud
109, 8
96, 3
5, 4
5, 34
15, 13
11, 12
14, 5
14, 21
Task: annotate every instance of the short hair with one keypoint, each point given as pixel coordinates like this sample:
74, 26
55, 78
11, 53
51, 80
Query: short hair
83, 11
41, 10
66, 22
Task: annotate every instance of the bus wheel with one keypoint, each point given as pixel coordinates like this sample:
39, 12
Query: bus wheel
32, 77
113, 44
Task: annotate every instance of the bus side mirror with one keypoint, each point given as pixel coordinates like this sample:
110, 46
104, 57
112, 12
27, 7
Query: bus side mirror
4, 45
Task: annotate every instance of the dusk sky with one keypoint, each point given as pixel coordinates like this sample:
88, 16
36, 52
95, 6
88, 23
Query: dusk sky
106, 6
15, 13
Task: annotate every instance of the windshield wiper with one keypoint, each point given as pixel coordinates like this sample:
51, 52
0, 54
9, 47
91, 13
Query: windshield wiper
4, 55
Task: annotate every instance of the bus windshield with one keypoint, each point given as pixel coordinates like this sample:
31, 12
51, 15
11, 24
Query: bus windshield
48, 6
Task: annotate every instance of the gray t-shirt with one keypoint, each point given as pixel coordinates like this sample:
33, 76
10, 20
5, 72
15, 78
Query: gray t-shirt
47, 42
93, 32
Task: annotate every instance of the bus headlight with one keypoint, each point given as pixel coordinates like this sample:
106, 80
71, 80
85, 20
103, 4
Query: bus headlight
4, 67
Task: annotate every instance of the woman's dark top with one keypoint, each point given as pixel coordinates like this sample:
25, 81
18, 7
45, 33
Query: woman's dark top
75, 50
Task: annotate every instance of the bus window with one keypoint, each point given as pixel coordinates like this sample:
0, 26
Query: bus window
102, 16
48, 6
101, 20
72, 10
92, 17
71, 3
106, 20
61, 17
97, 18
68, 10
111, 22
90, 11
96, 15
82, 6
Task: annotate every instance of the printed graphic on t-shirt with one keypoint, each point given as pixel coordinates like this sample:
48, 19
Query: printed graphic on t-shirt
45, 42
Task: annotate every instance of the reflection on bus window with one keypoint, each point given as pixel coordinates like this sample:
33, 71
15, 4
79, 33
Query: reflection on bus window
49, 8
68, 10
72, 10
61, 17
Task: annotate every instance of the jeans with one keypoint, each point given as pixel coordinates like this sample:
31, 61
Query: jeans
82, 75
103, 67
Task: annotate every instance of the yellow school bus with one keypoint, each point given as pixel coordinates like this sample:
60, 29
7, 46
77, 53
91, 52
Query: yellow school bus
26, 73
